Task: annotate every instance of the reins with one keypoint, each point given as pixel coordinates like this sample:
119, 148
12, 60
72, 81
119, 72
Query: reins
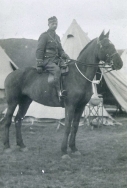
90, 65
94, 81
100, 65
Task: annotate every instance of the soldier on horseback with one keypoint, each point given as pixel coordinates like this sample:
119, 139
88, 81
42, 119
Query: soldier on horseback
49, 53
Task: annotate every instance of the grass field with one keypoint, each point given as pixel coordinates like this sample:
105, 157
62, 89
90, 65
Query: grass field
103, 163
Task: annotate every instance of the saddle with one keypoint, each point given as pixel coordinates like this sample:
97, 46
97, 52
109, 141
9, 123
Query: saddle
64, 71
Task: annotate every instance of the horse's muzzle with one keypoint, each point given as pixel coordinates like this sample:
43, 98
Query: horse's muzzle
117, 63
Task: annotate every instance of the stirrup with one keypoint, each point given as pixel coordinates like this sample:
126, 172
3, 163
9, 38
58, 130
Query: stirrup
64, 93
60, 96
61, 99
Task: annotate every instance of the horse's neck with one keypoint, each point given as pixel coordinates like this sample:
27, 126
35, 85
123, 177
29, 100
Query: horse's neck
89, 57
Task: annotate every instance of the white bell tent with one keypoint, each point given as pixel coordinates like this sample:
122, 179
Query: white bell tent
6, 67
74, 40
117, 82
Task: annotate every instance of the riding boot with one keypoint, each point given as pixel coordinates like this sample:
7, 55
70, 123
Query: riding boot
61, 94
57, 86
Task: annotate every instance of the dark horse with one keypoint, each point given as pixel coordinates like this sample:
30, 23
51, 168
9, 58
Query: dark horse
24, 86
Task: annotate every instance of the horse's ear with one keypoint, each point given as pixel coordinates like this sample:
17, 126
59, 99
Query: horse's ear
102, 35
107, 34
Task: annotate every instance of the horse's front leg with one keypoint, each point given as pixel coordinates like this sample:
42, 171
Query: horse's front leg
74, 128
69, 114
19, 140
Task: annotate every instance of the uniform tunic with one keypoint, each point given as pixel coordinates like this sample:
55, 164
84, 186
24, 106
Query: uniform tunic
49, 49
48, 53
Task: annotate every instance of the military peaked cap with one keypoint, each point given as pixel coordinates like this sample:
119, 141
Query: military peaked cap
52, 19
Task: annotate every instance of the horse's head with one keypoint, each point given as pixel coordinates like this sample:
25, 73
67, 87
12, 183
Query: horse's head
108, 53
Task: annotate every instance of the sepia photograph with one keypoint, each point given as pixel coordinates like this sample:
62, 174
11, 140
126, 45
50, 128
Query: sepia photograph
63, 94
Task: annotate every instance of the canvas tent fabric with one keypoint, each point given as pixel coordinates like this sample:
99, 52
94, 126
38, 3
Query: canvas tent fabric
74, 40
5, 68
117, 82
40, 111
124, 58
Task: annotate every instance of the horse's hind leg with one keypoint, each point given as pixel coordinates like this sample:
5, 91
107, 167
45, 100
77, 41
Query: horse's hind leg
74, 128
7, 122
23, 107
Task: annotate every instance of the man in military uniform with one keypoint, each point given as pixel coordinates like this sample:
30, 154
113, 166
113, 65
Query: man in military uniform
49, 51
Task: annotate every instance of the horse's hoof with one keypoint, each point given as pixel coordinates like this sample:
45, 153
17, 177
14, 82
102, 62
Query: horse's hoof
24, 149
66, 156
7, 150
76, 153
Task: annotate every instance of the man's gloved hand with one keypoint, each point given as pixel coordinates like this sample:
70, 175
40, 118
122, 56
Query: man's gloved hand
40, 63
40, 66
39, 70
65, 56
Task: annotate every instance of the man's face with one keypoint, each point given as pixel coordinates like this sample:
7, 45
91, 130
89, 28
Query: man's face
53, 25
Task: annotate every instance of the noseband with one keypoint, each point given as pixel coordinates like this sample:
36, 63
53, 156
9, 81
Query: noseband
109, 60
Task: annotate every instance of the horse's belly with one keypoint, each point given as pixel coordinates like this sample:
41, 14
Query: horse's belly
44, 95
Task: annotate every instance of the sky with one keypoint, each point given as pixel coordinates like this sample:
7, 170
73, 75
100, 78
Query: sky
29, 18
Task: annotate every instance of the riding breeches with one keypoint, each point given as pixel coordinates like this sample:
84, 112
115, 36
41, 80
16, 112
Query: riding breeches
54, 70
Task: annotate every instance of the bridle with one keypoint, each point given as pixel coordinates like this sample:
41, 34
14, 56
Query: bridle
109, 60
92, 81
102, 64
108, 64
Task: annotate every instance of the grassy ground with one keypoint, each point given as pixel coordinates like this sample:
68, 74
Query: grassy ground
103, 163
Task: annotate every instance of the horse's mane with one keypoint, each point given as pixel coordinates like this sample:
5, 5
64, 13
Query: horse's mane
85, 47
